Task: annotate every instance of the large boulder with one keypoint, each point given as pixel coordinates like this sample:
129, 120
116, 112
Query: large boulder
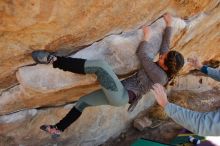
31, 95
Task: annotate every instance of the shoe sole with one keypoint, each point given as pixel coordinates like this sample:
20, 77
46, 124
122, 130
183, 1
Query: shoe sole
35, 55
53, 136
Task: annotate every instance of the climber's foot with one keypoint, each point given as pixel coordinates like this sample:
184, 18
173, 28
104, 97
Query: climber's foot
43, 57
147, 33
51, 129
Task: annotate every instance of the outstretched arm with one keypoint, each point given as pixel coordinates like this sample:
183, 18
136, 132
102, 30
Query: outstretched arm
204, 124
212, 72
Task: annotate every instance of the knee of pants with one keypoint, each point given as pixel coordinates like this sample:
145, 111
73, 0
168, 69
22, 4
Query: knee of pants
80, 105
102, 63
119, 103
94, 66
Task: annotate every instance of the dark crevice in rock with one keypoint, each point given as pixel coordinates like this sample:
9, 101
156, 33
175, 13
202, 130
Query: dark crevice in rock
196, 72
8, 81
41, 108
216, 7
55, 106
178, 38
65, 52
8, 88
212, 63
64, 45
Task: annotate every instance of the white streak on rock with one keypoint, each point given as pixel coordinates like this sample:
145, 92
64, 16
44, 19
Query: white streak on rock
18, 117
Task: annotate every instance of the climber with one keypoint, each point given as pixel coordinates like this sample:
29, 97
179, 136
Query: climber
203, 124
113, 91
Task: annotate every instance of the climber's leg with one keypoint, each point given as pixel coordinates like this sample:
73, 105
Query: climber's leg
93, 99
112, 93
112, 87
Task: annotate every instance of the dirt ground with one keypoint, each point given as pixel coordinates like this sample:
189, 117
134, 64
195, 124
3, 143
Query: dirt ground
164, 133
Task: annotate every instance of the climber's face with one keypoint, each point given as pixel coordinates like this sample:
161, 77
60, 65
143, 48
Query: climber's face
161, 61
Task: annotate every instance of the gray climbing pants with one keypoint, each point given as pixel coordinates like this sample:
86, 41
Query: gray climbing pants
112, 91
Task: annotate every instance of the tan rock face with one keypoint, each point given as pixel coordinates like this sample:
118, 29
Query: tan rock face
94, 127
40, 80
55, 24
65, 25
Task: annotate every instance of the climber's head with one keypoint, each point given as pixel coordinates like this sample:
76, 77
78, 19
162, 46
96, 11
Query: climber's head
171, 62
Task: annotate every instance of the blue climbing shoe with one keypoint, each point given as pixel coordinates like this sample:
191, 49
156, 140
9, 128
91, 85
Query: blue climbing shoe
43, 57
51, 129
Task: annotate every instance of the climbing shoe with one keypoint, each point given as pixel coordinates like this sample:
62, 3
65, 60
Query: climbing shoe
43, 57
51, 129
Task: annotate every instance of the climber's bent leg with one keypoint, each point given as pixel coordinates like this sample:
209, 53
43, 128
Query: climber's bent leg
105, 96
112, 87
93, 99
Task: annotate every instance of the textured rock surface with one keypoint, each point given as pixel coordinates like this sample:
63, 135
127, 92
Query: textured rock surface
65, 25
55, 25
90, 129
43, 79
